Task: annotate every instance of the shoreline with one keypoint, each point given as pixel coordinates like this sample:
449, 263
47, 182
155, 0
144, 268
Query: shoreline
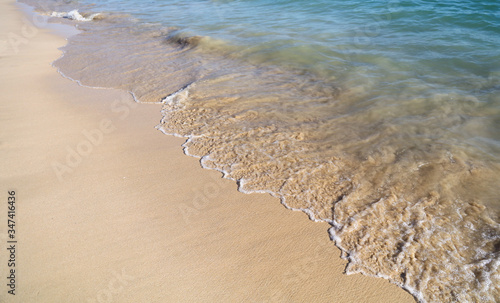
110, 209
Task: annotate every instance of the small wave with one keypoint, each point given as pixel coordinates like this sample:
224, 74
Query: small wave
75, 15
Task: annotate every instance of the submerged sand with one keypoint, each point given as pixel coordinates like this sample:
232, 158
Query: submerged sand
110, 210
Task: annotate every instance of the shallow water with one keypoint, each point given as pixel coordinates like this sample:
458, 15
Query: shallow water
380, 118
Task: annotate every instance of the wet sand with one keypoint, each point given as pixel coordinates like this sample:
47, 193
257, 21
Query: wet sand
108, 209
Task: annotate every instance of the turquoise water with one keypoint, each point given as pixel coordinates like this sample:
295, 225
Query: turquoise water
450, 37
381, 118
441, 43
386, 47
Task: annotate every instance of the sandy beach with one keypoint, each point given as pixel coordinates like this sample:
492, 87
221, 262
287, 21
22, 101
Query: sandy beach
109, 209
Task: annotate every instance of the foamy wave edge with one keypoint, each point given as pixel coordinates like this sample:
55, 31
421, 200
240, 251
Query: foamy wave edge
346, 254
74, 15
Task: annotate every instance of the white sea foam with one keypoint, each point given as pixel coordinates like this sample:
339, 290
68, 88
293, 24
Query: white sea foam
74, 15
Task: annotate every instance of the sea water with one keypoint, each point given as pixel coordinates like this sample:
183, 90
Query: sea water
379, 117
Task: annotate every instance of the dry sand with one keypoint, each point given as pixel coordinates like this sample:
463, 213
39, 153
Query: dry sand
110, 210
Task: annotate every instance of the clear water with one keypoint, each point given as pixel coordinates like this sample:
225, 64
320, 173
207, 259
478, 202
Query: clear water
379, 117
